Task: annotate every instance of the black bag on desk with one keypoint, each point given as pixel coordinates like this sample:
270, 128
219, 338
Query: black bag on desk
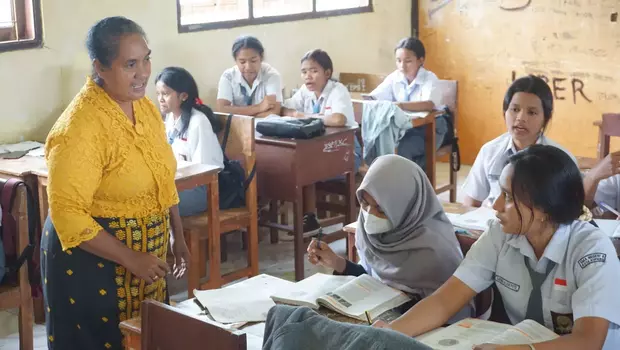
305, 128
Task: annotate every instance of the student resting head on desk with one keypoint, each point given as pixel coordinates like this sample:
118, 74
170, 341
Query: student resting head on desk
252, 87
403, 236
528, 107
549, 266
413, 88
191, 130
112, 196
602, 185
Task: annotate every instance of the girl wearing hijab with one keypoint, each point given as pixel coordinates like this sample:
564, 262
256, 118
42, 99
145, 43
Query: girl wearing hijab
403, 236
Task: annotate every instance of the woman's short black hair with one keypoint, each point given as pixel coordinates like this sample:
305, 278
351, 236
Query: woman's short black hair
102, 41
412, 44
181, 81
532, 84
321, 58
546, 178
247, 42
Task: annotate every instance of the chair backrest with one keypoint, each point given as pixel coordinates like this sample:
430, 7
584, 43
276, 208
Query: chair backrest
241, 146
360, 82
610, 126
165, 328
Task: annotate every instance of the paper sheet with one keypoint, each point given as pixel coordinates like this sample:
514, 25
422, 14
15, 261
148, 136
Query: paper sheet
311, 288
475, 220
610, 227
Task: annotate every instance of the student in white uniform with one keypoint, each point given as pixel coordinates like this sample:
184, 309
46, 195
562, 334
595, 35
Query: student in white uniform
528, 107
547, 265
191, 129
602, 185
321, 97
403, 236
413, 88
252, 87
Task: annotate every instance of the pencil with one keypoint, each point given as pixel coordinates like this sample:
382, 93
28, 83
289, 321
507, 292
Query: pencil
368, 317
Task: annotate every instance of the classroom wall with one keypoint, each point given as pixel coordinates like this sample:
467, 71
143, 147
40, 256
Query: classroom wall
575, 44
38, 84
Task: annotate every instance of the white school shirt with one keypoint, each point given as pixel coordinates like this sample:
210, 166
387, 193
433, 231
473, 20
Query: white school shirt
233, 87
335, 98
584, 283
607, 192
199, 144
482, 183
396, 88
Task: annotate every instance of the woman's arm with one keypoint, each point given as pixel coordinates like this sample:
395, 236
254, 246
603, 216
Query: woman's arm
225, 106
435, 310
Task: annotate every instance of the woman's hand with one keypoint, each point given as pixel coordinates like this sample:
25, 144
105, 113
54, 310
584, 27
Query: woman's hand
321, 253
485, 347
147, 267
181, 257
608, 167
381, 324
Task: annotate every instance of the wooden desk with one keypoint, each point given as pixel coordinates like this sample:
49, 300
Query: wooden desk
429, 136
453, 208
284, 167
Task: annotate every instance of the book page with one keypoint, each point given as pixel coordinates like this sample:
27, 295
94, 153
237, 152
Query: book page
609, 227
364, 293
307, 291
475, 220
229, 305
464, 334
526, 332
246, 301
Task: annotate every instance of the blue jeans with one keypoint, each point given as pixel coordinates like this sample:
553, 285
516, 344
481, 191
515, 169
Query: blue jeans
411, 146
193, 202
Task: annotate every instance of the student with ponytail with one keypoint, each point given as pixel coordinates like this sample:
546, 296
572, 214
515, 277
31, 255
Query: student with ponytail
191, 130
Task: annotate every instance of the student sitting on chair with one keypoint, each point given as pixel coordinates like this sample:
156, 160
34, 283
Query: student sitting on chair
251, 87
528, 107
413, 89
403, 236
549, 266
321, 97
602, 185
190, 129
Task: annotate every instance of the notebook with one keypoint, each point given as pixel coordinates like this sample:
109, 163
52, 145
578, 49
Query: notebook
347, 295
465, 334
474, 220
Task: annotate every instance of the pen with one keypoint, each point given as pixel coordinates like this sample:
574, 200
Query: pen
608, 208
368, 317
319, 235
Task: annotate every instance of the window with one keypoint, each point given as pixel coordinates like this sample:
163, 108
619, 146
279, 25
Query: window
197, 15
20, 24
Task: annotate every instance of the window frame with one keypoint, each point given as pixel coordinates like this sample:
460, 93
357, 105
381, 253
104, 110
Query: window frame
198, 27
22, 21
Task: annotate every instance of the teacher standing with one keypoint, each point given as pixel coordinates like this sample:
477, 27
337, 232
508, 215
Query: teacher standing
112, 196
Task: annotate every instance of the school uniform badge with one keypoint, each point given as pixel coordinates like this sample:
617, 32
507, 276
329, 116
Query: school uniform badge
592, 258
562, 323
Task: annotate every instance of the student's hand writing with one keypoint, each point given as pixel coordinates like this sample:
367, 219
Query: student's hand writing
147, 267
608, 167
321, 253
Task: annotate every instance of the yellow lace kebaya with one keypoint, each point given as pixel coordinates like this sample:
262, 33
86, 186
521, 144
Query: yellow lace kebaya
102, 166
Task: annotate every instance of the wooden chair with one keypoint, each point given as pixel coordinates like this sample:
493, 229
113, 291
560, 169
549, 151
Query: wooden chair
449, 98
360, 83
165, 328
19, 294
240, 146
608, 127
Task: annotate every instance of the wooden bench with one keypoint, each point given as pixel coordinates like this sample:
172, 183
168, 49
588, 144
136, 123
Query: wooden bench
197, 229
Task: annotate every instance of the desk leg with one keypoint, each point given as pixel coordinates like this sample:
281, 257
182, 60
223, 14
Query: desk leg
273, 217
309, 194
351, 251
39, 305
215, 254
430, 152
298, 217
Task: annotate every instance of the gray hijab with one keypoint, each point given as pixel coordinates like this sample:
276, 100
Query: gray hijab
421, 251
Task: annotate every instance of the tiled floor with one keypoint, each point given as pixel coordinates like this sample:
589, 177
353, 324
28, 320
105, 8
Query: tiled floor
274, 259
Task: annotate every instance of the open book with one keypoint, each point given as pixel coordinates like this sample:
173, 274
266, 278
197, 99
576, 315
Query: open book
474, 220
348, 295
469, 332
